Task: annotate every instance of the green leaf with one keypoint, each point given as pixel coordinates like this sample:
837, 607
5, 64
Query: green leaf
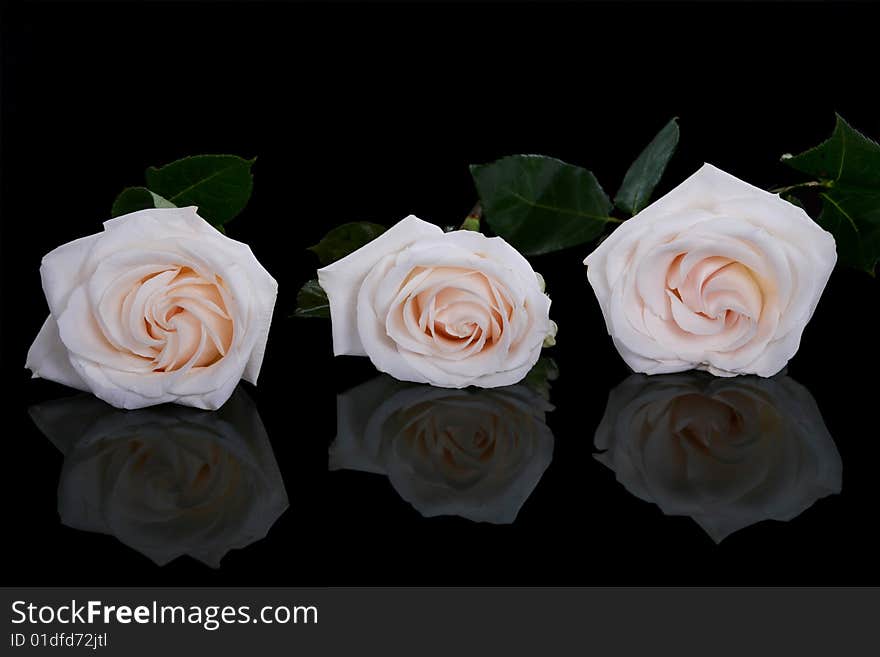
311, 301
852, 215
132, 199
794, 200
644, 174
847, 165
540, 204
541, 375
345, 239
847, 157
471, 223
220, 185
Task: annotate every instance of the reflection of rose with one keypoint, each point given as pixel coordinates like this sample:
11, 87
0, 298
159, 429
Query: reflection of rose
472, 453
727, 452
168, 480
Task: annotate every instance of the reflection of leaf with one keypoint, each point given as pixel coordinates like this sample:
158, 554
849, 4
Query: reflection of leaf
345, 239
540, 204
312, 301
847, 157
220, 185
644, 174
849, 164
132, 199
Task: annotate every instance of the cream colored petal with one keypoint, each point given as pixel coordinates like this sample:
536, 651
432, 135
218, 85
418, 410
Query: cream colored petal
48, 358
342, 279
62, 270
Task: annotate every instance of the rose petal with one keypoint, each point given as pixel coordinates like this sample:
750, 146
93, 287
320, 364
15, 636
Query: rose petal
342, 279
47, 358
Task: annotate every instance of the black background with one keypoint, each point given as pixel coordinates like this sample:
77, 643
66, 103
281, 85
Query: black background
371, 113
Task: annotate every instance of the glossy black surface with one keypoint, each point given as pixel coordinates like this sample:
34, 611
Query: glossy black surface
373, 113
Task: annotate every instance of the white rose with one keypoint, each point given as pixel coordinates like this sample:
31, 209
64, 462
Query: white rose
450, 309
717, 275
477, 454
726, 452
160, 307
166, 481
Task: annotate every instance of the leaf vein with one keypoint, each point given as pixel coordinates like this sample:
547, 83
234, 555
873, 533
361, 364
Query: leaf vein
842, 211
202, 181
552, 208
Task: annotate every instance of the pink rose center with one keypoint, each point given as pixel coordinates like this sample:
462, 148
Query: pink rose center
451, 310
712, 296
176, 318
